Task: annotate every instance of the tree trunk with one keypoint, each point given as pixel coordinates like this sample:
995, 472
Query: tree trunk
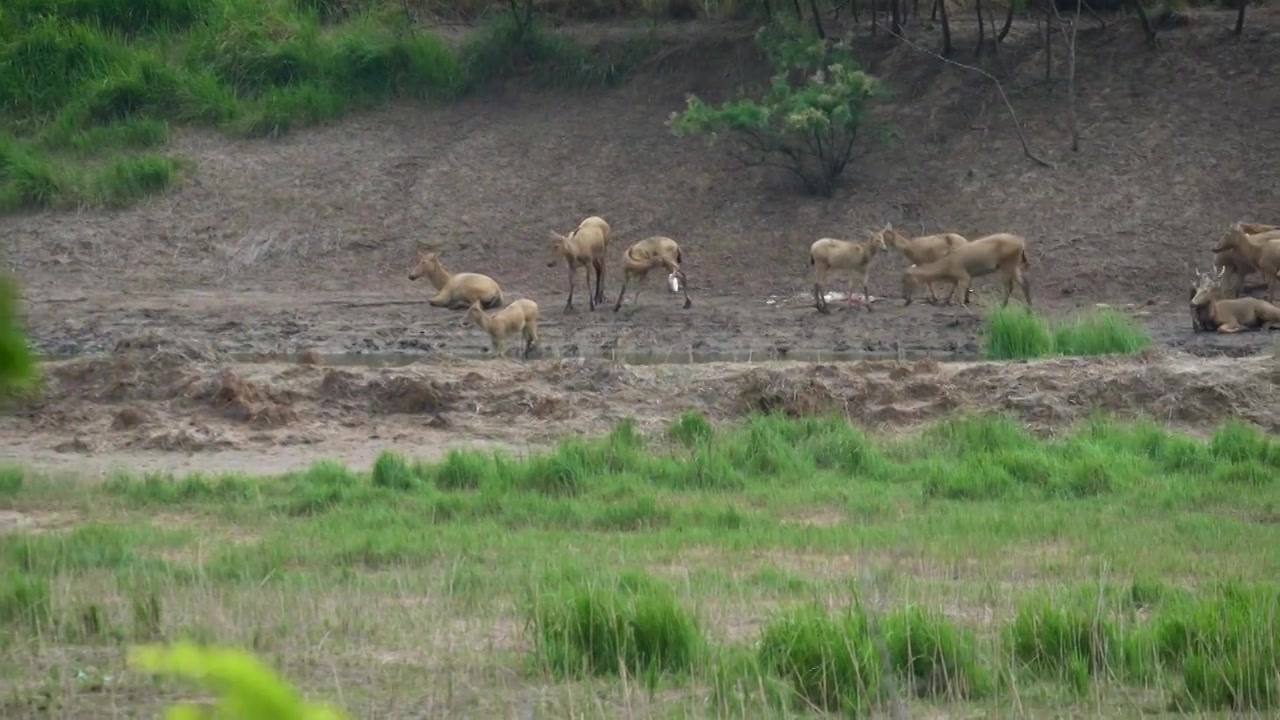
1008, 23
1240, 6
982, 29
1144, 21
817, 19
946, 30
895, 12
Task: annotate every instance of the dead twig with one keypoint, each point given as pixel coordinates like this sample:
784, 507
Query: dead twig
1022, 136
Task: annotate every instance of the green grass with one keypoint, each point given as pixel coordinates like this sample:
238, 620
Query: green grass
1017, 333
85, 81
763, 569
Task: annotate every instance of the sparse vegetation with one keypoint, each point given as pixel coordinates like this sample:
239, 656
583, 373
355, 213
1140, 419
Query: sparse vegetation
88, 85
685, 558
1015, 332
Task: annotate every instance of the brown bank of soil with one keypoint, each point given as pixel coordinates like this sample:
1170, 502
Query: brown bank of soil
170, 409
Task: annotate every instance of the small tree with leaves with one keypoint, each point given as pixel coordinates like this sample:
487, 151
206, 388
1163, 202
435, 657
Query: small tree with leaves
805, 122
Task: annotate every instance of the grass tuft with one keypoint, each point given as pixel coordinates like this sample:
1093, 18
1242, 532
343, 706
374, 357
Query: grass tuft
633, 626
939, 659
829, 661
1015, 332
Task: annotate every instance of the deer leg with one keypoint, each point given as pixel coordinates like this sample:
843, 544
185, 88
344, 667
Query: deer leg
1231, 326
962, 289
591, 295
684, 283
599, 265
626, 277
1026, 286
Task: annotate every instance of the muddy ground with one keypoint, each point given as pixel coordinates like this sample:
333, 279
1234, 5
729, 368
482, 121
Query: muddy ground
270, 248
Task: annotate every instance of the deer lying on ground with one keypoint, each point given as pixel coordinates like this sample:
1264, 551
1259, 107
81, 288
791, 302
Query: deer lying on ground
923, 249
1237, 266
650, 254
1211, 312
1261, 250
520, 316
848, 256
1002, 253
456, 291
584, 247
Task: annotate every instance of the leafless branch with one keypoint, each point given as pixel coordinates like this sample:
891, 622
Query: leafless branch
1072, 123
1022, 135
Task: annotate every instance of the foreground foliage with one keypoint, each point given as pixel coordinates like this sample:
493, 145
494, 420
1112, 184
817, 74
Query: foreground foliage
246, 689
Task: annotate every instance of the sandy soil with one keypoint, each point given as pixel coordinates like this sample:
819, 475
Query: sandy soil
306, 242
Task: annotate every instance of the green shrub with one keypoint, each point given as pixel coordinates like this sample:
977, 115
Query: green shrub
635, 624
830, 662
807, 126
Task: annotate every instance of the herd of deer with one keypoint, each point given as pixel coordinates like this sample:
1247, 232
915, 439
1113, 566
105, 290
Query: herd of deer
1216, 302
943, 258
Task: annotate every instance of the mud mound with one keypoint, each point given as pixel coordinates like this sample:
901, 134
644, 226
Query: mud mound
766, 391
409, 395
244, 401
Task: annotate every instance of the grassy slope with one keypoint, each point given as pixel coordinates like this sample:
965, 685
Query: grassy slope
91, 88
405, 590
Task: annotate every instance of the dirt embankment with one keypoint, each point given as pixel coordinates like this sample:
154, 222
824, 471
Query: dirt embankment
175, 408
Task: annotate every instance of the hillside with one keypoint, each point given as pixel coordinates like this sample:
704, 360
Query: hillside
308, 239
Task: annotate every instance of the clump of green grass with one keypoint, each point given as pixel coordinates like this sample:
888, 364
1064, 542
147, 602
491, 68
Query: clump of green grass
1226, 647
1105, 332
1015, 332
1063, 642
25, 601
392, 471
940, 659
829, 661
634, 625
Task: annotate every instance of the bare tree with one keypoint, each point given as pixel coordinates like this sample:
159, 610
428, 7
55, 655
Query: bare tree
1073, 124
982, 29
1004, 97
1008, 22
